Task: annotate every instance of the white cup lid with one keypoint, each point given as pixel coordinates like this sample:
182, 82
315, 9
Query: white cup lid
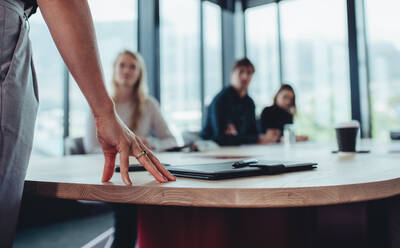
348, 124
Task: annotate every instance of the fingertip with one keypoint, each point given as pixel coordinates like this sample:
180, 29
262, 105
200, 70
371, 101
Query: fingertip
161, 169
171, 177
160, 179
127, 181
107, 174
125, 177
124, 165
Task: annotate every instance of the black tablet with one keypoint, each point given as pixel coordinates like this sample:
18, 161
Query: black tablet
225, 170
134, 167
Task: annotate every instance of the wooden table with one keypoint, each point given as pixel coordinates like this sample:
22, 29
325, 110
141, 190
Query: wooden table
263, 210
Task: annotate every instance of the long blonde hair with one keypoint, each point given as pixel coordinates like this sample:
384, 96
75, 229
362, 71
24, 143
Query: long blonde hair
139, 94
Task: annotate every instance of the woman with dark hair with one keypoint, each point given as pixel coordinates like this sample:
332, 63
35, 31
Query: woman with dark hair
281, 112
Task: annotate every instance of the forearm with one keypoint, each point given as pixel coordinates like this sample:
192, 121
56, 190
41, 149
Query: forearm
71, 27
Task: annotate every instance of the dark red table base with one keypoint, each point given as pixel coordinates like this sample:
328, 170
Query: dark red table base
331, 226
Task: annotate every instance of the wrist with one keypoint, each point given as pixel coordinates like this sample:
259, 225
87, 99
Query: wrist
104, 110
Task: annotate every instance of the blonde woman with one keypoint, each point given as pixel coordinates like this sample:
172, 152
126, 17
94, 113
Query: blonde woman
139, 111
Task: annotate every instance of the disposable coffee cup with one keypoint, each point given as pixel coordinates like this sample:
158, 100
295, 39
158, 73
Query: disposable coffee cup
346, 135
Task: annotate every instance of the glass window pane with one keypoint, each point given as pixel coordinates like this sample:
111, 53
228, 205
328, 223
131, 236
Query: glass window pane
239, 30
315, 58
180, 58
49, 68
382, 19
116, 30
212, 51
262, 50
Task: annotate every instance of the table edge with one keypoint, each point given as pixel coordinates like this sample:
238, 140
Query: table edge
219, 197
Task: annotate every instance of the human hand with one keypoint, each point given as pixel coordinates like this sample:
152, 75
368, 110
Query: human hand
231, 130
146, 142
271, 135
115, 137
301, 138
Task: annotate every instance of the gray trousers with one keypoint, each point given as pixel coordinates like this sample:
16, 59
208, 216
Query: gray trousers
18, 108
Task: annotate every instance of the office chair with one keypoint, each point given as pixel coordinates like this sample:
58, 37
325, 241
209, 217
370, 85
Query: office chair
74, 146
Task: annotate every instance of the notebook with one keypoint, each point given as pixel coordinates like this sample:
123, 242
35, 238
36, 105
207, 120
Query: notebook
225, 170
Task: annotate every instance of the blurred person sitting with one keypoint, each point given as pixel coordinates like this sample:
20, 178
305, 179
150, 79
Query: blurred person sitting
231, 116
281, 112
140, 112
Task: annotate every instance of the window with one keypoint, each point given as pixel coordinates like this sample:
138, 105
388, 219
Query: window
384, 58
50, 71
262, 50
180, 63
315, 62
239, 30
116, 30
212, 51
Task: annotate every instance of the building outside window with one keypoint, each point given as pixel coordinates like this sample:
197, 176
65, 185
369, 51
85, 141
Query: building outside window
50, 74
262, 50
212, 50
383, 43
180, 63
116, 30
316, 63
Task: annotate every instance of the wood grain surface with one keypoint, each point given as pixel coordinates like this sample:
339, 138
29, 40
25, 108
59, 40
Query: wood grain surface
339, 178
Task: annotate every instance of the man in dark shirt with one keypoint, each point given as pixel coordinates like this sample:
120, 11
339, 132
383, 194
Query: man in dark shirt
231, 116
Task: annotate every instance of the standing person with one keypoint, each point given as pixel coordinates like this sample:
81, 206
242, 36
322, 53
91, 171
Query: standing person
231, 118
71, 26
281, 112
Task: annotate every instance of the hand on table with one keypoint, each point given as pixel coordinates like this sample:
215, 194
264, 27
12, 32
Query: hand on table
271, 135
231, 130
115, 137
301, 138
146, 142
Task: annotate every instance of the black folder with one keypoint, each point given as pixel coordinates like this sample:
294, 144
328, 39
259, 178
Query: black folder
134, 167
225, 170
